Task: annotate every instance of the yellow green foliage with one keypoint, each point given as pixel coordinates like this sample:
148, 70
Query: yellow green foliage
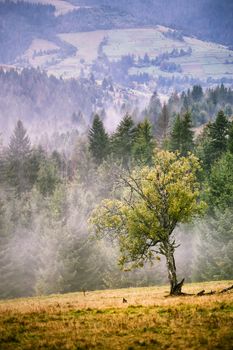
154, 201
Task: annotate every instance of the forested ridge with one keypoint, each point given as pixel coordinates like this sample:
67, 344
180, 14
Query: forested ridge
31, 21
206, 16
41, 101
48, 196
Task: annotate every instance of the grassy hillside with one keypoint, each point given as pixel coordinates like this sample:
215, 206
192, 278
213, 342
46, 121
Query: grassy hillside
207, 19
100, 320
207, 60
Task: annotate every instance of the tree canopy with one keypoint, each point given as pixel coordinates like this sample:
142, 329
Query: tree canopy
153, 202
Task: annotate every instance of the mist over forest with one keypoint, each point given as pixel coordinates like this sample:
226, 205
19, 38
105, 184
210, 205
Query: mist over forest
50, 187
97, 93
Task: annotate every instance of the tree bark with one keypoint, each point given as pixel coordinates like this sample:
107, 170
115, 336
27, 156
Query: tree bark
171, 268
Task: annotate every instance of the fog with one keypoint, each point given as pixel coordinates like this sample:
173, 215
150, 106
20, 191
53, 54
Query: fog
48, 192
50, 248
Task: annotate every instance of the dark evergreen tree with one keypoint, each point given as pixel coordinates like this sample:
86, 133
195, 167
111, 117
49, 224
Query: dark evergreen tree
213, 142
181, 138
4, 254
186, 102
230, 138
144, 144
162, 125
188, 134
176, 134
220, 183
98, 141
202, 149
214, 251
154, 109
37, 157
48, 177
123, 140
18, 157
218, 135
2, 163
197, 93
17, 248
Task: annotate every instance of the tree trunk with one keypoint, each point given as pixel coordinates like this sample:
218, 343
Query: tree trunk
171, 267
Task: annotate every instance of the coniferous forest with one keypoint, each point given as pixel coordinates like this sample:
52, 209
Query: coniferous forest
51, 186
116, 174
116, 144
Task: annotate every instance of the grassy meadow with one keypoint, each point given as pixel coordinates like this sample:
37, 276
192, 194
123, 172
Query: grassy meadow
207, 59
100, 320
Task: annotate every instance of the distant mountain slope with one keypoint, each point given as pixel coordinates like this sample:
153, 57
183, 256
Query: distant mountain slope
20, 23
23, 21
208, 19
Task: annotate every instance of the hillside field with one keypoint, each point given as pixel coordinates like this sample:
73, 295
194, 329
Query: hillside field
207, 59
100, 320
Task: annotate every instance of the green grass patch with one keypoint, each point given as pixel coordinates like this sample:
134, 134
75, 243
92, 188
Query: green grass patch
101, 321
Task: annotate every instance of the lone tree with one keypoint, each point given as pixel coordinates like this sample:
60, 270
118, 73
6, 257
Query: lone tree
154, 200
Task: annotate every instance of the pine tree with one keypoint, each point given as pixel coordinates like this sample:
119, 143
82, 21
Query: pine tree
70, 261
197, 93
98, 140
18, 155
176, 134
2, 163
220, 183
144, 144
213, 142
4, 255
37, 157
123, 140
154, 109
202, 149
162, 125
181, 138
214, 251
230, 138
187, 144
218, 136
48, 177
18, 247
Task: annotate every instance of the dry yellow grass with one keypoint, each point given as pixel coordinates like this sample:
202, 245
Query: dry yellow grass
100, 320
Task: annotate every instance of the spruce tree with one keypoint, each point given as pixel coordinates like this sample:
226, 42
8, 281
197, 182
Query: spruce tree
176, 134
181, 138
220, 183
98, 141
18, 155
154, 109
5, 268
123, 140
218, 136
187, 142
2, 163
144, 143
214, 250
230, 138
214, 141
48, 177
162, 125
18, 248
197, 93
